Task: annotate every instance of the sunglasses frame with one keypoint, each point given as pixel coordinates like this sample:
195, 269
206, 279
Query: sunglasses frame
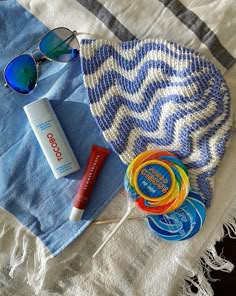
37, 63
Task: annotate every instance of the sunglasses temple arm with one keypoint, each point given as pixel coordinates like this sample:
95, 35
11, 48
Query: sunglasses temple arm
72, 35
90, 34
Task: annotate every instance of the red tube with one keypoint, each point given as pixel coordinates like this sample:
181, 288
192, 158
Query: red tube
96, 160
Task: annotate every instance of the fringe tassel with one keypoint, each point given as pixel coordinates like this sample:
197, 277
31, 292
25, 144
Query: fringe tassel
27, 252
199, 276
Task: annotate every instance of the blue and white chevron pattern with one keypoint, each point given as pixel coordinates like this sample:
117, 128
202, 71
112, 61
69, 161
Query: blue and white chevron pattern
157, 94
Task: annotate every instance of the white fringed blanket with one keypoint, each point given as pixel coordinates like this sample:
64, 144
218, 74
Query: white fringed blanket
135, 262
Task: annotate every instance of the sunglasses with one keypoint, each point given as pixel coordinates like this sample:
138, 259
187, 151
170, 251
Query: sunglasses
21, 73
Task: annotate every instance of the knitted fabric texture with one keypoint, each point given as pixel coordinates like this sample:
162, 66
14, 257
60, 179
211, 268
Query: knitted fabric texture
152, 94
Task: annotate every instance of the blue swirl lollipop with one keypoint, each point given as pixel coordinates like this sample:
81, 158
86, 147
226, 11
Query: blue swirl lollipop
183, 223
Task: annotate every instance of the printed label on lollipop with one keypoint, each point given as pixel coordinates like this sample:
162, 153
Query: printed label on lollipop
153, 180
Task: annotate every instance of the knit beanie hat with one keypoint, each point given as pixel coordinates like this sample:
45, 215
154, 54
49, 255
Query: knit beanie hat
152, 94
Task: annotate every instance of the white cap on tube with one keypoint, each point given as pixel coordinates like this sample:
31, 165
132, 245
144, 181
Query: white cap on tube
76, 214
38, 109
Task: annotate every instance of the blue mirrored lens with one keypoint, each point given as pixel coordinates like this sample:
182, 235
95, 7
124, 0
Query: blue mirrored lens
21, 74
60, 45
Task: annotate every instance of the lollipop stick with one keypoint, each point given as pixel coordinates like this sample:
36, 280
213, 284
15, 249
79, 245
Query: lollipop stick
129, 211
116, 220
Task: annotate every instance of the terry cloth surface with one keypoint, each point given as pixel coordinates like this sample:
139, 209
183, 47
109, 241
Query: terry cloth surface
157, 94
29, 190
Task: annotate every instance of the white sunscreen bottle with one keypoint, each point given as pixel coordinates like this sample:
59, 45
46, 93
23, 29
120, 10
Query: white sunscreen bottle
51, 138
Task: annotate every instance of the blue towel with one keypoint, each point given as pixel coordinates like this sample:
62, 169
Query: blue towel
28, 188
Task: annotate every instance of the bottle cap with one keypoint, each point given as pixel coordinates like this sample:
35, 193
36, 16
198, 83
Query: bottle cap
38, 109
76, 214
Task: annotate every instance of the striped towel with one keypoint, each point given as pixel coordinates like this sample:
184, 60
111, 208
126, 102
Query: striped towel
135, 262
